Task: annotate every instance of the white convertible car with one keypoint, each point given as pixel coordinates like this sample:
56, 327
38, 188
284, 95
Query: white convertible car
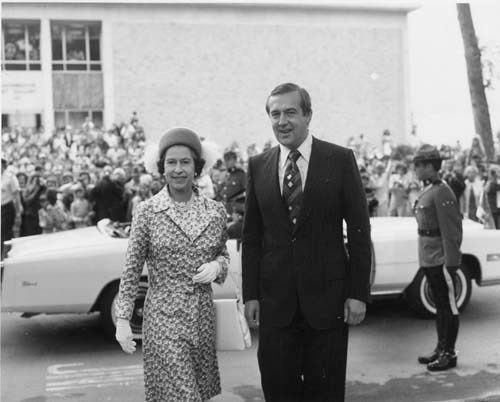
78, 271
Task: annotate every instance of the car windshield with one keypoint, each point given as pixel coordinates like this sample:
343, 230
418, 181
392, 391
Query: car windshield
114, 229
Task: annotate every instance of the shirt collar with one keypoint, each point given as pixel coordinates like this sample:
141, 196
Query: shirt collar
304, 149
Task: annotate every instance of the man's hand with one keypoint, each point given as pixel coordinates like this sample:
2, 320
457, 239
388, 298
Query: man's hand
354, 311
252, 313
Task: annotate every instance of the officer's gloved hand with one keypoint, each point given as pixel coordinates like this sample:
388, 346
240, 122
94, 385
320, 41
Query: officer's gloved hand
124, 335
207, 272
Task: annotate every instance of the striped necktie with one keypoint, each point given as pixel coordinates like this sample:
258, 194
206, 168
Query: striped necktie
292, 186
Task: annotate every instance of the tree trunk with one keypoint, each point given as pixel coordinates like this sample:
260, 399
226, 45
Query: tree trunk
480, 110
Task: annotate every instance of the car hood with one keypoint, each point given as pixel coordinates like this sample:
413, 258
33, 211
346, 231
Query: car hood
37, 245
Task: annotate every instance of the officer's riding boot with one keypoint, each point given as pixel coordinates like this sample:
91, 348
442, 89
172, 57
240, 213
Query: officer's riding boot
445, 361
430, 357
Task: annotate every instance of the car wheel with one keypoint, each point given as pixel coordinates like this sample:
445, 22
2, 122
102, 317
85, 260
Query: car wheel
421, 300
108, 310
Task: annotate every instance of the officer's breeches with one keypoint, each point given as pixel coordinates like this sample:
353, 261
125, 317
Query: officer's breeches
447, 315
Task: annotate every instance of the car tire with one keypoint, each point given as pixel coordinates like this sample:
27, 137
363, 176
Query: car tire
419, 294
108, 315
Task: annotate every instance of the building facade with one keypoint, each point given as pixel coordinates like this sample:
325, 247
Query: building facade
206, 66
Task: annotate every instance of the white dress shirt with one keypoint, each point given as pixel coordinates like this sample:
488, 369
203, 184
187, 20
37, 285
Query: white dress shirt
302, 161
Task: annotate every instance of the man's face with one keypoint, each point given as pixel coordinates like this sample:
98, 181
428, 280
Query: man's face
230, 162
423, 170
289, 123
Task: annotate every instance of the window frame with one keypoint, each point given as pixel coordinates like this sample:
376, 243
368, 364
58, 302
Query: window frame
27, 62
90, 114
87, 62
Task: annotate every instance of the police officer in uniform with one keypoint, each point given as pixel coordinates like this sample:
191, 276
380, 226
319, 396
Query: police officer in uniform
233, 189
439, 239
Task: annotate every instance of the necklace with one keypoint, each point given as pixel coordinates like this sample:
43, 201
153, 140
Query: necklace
183, 206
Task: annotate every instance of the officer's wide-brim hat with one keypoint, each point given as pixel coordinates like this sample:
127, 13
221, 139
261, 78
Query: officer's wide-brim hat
179, 136
230, 154
428, 152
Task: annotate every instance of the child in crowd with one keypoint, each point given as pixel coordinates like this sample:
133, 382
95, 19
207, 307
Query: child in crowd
80, 210
51, 215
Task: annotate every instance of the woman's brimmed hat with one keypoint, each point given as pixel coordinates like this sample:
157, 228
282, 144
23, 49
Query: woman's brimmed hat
428, 152
179, 136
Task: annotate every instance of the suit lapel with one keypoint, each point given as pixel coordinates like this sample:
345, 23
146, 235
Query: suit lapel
271, 192
316, 177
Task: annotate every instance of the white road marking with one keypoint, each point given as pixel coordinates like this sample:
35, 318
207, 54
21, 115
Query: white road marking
66, 376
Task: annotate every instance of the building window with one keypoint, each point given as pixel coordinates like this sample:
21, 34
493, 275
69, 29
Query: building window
76, 46
20, 45
76, 118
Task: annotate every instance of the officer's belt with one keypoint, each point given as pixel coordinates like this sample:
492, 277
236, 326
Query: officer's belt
429, 232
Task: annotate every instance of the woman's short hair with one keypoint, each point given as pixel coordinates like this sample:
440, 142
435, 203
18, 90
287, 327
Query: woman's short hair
181, 136
199, 162
471, 169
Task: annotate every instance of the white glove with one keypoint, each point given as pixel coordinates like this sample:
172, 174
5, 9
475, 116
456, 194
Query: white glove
124, 335
207, 272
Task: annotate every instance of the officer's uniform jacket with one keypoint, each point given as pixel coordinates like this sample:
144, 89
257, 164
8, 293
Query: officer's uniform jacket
233, 189
439, 226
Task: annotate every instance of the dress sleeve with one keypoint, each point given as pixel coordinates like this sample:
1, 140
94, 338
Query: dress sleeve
137, 251
223, 255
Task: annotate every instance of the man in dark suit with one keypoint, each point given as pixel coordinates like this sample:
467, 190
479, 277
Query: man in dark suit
302, 287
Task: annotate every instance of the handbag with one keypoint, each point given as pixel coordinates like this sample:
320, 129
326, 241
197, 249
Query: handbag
231, 328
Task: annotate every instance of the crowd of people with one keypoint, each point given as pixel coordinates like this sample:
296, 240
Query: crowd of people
74, 177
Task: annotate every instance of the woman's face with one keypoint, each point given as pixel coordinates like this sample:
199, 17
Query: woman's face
179, 168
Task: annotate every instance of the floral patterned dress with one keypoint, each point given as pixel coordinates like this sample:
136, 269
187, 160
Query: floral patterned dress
180, 362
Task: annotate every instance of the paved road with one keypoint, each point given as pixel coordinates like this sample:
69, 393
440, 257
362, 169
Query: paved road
67, 359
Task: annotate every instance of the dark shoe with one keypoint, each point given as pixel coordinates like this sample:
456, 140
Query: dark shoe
429, 358
445, 361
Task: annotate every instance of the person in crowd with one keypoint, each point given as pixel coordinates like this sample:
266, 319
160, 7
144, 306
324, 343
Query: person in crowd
218, 175
453, 175
181, 235
51, 215
205, 185
80, 210
235, 228
380, 177
369, 187
413, 192
22, 179
439, 239
132, 185
233, 188
387, 145
474, 186
476, 154
109, 198
11, 204
157, 184
398, 191
300, 288
492, 195
31, 204
143, 193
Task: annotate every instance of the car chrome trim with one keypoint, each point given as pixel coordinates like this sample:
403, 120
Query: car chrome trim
493, 257
490, 282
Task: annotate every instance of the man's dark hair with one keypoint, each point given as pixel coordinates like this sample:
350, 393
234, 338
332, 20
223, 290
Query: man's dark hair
305, 99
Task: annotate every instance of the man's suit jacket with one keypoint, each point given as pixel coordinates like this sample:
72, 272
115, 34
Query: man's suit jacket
308, 265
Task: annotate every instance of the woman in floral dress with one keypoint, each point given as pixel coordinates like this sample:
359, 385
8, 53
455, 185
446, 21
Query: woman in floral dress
181, 236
